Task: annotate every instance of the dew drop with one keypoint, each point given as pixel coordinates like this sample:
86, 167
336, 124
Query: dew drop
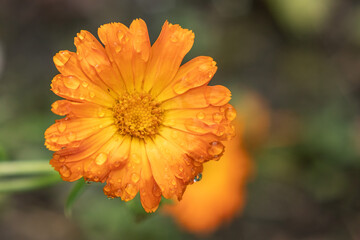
120, 35
65, 171
54, 139
92, 94
200, 115
173, 182
107, 188
118, 193
101, 112
117, 48
230, 113
101, 159
216, 149
55, 105
174, 38
71, 136
71, 82
198, 177
130, 189
61, 127
81, 36
217, 117
84, 84
135, 177
179, 87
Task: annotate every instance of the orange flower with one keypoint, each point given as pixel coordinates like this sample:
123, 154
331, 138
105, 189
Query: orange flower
218, 196
134, 118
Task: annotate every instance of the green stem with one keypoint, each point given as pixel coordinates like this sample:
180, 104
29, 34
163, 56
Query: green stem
27, 183
24, 168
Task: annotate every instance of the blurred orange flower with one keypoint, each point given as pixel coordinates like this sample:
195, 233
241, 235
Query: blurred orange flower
134, 118
219, 195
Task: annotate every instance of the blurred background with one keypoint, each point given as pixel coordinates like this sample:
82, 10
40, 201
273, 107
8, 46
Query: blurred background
293, 67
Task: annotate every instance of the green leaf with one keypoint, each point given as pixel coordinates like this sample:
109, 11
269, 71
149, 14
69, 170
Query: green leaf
73, 196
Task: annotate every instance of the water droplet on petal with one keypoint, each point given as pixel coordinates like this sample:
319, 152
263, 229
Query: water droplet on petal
65, 171
179, 87
71, 82
173, 182
217, 117
135, 177
101, 112
216, 149
230, 113
81, 36
92, 94
200, 115
61, 127
55, 105
117, 48
54, 138
107, 188
174, 38
118, 193
101, 159
131, 189
71, 136
85, 84
120, 35
198, 177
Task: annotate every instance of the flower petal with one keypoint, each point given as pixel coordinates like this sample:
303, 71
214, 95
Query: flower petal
95, 62
73, 162
129, 49
124, 181
194, 73
199, 97
70, 132
171, 168
215, 120
72, 88
166, 56
80, 110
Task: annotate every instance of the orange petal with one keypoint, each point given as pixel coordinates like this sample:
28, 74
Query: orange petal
194, 73
82, 110
199, 149
215, 120
171, 167
70, 132
71, 162
166, 56
200, 97
129, 49
72, 88
124, 182
95, 62
150, 193
141, 44
87, 146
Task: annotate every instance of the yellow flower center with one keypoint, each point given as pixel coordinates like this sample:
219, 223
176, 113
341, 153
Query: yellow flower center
138, 115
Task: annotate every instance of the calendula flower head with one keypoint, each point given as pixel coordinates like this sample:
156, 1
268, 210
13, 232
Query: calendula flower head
219, 196
135, 118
